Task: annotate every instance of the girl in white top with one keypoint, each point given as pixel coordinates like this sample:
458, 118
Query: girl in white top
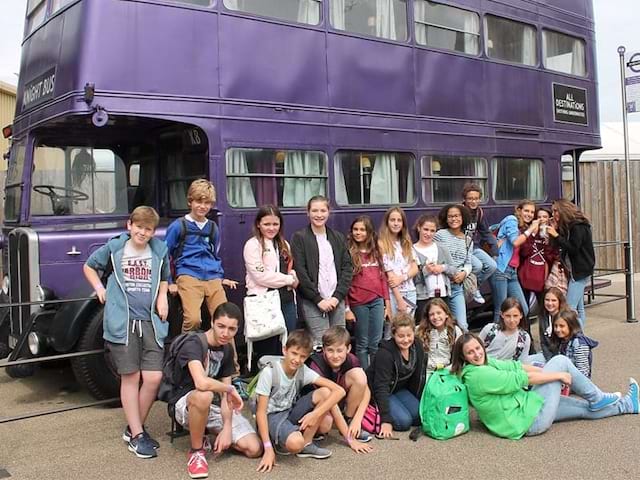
508, 339
268, 262
399, 262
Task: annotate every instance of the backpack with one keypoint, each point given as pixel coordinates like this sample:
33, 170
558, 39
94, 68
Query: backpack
522, 339
444, 406
210, 234
170, 390
268, 361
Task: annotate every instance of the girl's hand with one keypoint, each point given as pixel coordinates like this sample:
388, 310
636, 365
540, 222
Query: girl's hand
565, 377
268, 460
459, 277
296, 282
349, 316
358, 447
394, 280
386, 430
354, 428
324, 305
334, 302
232, 284
402, 306
535, 225
551, 230
387, 310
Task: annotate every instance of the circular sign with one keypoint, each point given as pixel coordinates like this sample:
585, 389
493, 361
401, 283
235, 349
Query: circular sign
634, 63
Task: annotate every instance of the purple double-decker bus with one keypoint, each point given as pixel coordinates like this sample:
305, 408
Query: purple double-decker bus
371, 102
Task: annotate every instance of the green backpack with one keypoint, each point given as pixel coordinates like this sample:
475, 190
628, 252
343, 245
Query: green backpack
444, 406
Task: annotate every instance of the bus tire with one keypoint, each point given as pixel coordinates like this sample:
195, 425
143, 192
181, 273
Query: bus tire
95, 372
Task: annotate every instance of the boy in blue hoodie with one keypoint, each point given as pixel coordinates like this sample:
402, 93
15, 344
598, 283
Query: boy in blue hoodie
194, 242
135, 315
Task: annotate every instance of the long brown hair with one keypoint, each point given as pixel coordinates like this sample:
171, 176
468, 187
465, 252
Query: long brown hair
370, 245
457, 356
521, 224
571, 318
386, 238
560, 296
278, 240
569, 214
508, 304
423, 331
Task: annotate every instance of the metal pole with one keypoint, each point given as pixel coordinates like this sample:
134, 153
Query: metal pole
631, 308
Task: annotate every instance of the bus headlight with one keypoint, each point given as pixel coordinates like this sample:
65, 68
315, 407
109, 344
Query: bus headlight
5, 285
35, 343
44, 294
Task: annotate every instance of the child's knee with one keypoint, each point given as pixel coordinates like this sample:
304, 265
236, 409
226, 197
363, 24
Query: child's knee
250, 445
152, 378
295, 442
130, 378
325, 424
199, 400
355, 377
320, 394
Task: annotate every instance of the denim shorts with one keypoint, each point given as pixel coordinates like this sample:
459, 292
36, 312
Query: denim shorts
284, 423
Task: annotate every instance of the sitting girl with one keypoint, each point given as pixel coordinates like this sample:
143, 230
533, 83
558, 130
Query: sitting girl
554, 303
438, 332
567, 339
497, 391
397, 377
507, 339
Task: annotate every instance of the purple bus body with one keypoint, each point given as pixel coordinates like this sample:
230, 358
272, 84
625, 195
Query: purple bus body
251, 82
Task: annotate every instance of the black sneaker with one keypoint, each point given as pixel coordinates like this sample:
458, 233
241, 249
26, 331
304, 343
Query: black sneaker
142, 447
126, 436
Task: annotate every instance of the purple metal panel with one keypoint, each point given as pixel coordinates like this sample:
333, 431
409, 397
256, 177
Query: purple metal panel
272, 62
359, 78
450, 86
513, 94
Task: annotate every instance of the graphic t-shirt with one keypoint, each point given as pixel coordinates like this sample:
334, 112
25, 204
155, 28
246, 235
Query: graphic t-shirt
136, 269
286, 395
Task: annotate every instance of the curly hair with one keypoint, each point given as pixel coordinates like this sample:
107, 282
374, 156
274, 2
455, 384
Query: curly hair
464, 211
423, 332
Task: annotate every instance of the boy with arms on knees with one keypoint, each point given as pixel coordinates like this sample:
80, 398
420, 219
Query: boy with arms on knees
134, 318
206, 397
193, 243
290, 424
338, 364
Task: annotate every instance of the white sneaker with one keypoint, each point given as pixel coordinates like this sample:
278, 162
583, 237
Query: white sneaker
478, 298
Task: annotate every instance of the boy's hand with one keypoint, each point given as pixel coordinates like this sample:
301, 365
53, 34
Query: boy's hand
358, 447
223, 441
234, 400
354, 428
232, 284
386, 430
162, 305
324, 305
309, 420
268, 460
101, 294
173, 289
349, 316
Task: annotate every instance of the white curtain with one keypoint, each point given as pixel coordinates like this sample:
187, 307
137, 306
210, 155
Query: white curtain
385, 19
528, 46
471, 42
239, 191
420, 15
410, 184
384, 180
578, 66
231, 4
337, 11
309, 12
535, 183
341, 187
297, 191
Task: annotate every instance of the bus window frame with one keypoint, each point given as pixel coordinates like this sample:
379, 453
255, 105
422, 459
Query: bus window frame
480, 34
281, 21
494, 179
587, 70
485, 32
426, 174
409, 41
19, 183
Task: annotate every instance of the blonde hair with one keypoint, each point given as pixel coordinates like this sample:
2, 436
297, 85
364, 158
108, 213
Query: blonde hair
145, 216
201, 189
518, 212
386, 238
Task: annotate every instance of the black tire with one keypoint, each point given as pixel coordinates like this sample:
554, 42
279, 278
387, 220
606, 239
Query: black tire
16, 371
96, 373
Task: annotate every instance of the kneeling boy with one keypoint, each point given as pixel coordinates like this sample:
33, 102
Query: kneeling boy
338, 364
198, 408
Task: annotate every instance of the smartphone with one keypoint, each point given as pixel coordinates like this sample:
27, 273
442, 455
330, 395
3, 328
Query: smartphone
452, 409
412, 306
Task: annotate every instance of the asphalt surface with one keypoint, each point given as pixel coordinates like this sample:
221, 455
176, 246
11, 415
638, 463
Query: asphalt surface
86, 443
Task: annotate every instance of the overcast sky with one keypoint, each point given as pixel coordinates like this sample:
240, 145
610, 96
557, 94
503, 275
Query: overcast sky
614, 26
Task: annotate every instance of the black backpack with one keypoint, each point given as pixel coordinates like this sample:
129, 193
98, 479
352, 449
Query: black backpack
170, 390
210, 233
521, 341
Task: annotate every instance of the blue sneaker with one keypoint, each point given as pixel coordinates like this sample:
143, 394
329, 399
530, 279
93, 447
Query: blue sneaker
126, 436
606, 400
634, 395
142, 447
364, 437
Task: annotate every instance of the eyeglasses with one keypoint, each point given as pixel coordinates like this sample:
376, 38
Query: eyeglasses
455, 215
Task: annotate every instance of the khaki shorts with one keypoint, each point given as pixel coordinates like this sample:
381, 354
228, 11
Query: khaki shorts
240, 426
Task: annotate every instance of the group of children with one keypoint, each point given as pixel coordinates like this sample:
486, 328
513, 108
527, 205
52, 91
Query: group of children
368, 278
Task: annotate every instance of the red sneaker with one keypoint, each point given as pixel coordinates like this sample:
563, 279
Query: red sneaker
197, 465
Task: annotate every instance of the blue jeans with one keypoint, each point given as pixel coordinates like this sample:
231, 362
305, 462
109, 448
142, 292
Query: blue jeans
368, 331
290, 314
506, 284
575, 297
404, 409
482, 265
458, 305
557, 408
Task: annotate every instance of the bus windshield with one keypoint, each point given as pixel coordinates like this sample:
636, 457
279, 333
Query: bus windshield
74, 180
13, 188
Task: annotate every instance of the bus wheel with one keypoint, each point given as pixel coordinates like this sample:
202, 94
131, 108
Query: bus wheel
95, 372
15, 371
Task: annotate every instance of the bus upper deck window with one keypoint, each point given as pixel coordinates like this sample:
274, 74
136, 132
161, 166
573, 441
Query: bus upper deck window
378, 18
444, 177
510, 41
449, 28
36, 11
563, 53
301, 11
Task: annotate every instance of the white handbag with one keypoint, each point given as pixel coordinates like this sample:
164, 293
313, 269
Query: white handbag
263, 318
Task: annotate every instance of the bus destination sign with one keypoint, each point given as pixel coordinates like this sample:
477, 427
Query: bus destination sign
39, 90
569, 104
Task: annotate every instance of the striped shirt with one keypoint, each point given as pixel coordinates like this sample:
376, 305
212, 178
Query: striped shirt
460, 249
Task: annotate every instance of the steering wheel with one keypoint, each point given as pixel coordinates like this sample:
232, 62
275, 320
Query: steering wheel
60, 204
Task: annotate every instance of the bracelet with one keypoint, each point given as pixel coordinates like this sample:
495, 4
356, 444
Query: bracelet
348, 439
267, 445
230, 389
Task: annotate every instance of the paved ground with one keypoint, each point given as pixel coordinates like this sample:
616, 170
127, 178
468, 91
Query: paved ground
86, 443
